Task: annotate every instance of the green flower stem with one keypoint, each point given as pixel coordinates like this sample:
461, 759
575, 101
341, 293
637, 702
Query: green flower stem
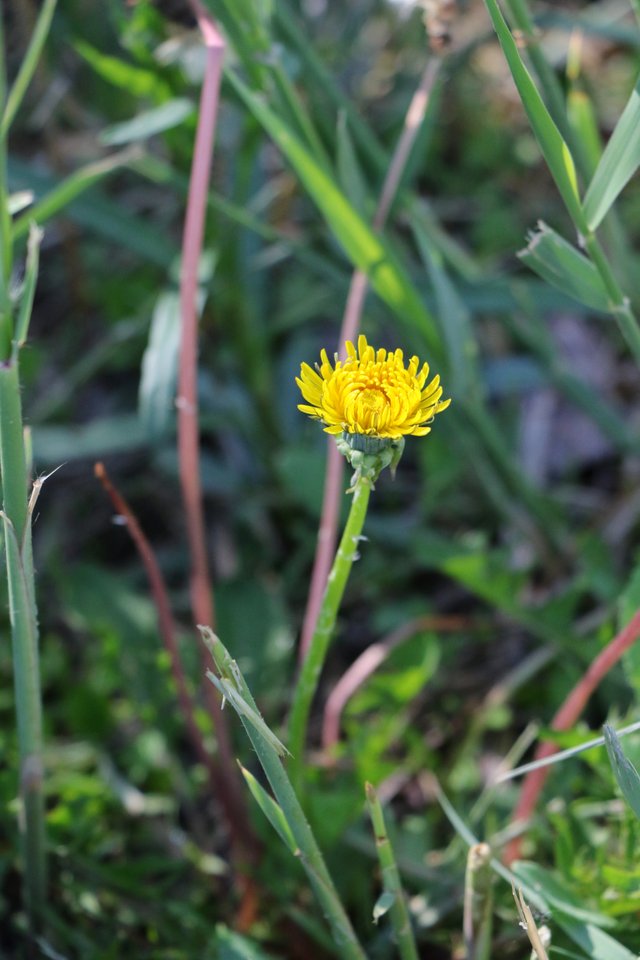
267, 748
17, 534
311, 668
620, 305
398, 912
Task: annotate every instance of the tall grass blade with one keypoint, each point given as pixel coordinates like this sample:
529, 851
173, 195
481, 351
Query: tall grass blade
554, 148
366, 250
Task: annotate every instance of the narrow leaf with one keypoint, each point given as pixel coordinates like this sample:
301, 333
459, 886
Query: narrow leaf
138, 81
619, 162
363, 247
554, 149
624, 771
159, 367
272, 811
68, 189
349, 172
560, 264
29, 287
149, 123
597, 944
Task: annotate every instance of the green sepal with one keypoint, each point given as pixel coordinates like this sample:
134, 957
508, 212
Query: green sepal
370, 455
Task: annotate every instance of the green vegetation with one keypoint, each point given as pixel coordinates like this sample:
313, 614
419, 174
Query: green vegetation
460, 184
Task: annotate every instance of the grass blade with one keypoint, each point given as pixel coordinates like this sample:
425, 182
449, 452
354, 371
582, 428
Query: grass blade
156, 400
560, 264
620, 160
271, 810
28, 66
310, 855
366, 250
554, 148
148, 123
70, 188
624, 771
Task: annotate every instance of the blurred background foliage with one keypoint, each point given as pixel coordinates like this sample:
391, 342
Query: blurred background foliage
514, 526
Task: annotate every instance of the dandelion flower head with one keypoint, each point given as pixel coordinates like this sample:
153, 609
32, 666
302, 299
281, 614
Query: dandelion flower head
371, 393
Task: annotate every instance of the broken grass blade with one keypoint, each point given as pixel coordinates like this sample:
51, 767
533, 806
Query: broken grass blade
560, 264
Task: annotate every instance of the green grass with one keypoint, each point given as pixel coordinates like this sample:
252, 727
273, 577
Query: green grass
500, 562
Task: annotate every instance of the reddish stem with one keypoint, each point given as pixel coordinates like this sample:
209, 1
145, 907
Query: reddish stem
187, 400
565, 718
165, 616
367, 663
229, 787
328, 529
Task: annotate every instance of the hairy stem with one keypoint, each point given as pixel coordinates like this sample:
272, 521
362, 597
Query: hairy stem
309, 676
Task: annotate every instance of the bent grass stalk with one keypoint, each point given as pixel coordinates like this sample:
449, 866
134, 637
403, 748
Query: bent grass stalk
311, 668
269, 750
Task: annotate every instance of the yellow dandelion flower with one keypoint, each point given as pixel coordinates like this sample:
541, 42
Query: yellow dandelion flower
371, 393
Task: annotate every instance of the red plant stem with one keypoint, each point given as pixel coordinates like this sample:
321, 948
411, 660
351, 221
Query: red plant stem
566, 717
368, 662
229, 787
187, 400
328, 529
166, 622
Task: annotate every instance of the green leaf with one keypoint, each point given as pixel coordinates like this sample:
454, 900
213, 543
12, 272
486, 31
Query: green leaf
597, 944
554, 148
149, 123
349, 172
95, 439
156, 401
619, 162
559, 897
365, 249
560, 264
65, 191
624, 771
272, 811
137, 81
454, 319
233, 946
